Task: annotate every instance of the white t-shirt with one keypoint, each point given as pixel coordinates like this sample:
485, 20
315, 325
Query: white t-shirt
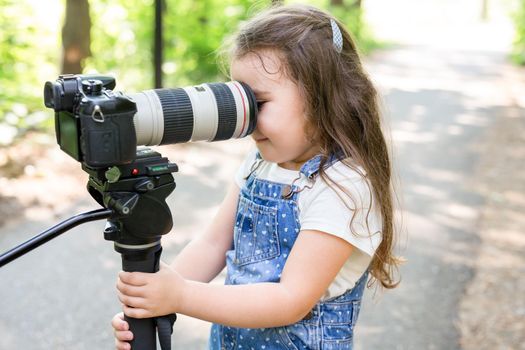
320, 208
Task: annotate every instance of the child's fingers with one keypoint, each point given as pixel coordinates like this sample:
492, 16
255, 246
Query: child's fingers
129, 289
122, 333
134, 278
123, 336
118, 322
134, 302
119, 345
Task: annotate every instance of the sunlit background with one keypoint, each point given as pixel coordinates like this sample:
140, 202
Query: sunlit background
452, 85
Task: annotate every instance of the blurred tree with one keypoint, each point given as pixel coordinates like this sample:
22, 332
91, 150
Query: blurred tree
76, 38
158, 47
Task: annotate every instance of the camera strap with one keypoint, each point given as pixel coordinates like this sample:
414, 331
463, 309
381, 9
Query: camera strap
165, 329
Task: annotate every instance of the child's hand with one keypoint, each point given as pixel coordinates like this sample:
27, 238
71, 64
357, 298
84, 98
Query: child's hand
145, 295
122, 333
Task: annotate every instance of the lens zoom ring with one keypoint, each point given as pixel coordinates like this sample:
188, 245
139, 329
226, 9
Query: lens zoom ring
226, 109
178, 115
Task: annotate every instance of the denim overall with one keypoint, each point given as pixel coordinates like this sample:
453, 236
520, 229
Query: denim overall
266, 227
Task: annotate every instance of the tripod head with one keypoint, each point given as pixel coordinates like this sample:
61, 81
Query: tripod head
136, 193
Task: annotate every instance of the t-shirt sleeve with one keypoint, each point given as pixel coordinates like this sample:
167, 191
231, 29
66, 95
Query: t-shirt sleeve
357, 222
244, 168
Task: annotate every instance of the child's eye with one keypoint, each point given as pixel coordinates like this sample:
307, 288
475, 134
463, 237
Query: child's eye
260, 104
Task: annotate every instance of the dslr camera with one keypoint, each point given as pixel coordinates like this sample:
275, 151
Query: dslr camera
102, 128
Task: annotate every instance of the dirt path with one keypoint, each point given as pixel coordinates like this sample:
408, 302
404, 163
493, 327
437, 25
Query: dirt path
37, 180
492, 312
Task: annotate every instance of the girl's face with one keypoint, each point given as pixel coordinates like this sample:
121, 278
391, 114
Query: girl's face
280, 133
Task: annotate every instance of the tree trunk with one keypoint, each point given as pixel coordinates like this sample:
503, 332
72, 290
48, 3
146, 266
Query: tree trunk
76, 38
158, 46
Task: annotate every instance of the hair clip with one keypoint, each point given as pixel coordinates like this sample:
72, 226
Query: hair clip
337, 36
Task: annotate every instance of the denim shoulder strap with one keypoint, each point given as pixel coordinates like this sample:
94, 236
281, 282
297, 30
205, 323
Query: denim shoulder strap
312, 166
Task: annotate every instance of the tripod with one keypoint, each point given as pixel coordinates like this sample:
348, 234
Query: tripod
134, 197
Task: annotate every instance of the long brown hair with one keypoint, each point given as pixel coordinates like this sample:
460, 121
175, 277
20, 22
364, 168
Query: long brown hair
341, 104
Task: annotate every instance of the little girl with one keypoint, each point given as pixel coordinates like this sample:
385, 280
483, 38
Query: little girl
309, 216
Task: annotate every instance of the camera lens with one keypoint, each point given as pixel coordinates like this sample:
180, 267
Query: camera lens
207, 112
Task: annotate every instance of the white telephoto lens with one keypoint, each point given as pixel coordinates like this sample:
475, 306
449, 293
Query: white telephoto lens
207, 112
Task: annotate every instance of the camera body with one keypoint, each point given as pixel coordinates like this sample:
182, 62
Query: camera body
93, 124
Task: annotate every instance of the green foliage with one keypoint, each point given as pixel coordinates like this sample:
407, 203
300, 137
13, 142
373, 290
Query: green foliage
27, 56
518, 53
122, 39
195, 33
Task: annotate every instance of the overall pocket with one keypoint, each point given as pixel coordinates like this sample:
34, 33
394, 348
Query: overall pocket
338, 324
256, 236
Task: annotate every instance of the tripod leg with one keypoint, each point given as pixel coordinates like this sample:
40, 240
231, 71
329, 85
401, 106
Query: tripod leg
142, 260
